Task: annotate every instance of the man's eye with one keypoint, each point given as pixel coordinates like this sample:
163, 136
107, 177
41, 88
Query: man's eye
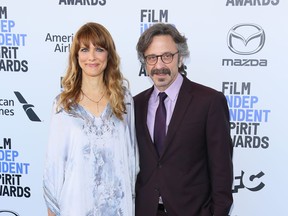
151, 57
167, 55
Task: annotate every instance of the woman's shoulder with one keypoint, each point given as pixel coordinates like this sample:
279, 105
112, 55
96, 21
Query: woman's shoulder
56, 103
127, 92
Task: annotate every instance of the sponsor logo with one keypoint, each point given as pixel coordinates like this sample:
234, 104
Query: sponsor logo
27, 107
245, 39
241, 44
250, 182
11, 43
12, 171
62, 43
148, 17
247, 116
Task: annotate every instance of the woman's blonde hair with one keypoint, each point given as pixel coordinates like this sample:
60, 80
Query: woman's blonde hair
113, 79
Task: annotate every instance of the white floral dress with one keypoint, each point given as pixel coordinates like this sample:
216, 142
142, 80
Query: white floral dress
91, 163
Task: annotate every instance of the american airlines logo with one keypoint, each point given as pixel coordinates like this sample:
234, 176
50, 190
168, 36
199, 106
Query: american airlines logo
28, 108
246, 39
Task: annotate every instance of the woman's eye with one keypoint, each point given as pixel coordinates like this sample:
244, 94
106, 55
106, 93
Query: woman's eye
83, 49
99, 49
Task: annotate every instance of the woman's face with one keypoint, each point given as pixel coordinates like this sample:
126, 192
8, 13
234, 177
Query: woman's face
93, 60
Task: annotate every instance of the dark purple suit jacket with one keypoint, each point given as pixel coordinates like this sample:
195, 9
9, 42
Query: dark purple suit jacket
194, 175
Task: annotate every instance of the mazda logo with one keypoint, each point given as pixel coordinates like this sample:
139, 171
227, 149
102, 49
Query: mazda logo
246, 39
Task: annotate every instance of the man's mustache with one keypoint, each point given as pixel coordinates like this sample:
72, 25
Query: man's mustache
161, 71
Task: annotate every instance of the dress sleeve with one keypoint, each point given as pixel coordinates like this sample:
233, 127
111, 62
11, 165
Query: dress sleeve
56, 154
133, 148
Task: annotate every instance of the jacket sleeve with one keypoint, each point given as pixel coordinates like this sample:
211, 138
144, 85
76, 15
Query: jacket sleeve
219, 145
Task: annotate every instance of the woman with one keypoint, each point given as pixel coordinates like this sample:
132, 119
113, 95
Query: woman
92, 156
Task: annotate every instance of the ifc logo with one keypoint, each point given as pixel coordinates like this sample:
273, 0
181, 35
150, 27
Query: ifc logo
246, 39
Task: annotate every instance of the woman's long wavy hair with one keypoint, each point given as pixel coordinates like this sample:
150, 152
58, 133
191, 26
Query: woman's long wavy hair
113, 79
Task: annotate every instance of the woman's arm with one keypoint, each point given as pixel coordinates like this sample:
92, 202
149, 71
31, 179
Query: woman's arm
50, 213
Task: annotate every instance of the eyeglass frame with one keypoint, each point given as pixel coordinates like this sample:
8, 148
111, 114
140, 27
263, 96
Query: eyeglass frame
161, 56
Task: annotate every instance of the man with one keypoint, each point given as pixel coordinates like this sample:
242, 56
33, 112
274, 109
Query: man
191, 173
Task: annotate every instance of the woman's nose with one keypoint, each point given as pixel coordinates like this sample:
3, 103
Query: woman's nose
92, 55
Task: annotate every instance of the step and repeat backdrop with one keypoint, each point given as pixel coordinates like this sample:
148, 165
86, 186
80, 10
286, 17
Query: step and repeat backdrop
238, 47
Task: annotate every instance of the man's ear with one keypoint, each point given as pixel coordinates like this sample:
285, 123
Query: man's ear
180, 62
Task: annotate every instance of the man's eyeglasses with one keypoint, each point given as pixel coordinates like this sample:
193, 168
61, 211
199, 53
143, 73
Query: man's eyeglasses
165, 58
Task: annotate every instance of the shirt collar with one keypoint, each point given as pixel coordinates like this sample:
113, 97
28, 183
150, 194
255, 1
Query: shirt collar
172, 91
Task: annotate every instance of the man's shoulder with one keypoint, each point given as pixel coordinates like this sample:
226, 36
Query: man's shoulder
199, 87
143, 94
